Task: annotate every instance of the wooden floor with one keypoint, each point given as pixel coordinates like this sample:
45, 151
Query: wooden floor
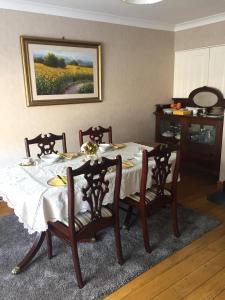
194, 272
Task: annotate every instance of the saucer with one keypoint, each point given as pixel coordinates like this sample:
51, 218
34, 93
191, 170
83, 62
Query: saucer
31, 163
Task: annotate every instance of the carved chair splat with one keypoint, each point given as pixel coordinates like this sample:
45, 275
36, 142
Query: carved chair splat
96, 134
46, 143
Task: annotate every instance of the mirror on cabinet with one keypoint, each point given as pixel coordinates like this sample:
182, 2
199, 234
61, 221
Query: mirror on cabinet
206, 97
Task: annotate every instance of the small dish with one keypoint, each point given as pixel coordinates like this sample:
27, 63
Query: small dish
50, 158
23, 164
104, 147
167, 111
167, 134
26, 161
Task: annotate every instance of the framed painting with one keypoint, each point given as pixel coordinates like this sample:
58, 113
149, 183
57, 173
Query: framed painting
61, 71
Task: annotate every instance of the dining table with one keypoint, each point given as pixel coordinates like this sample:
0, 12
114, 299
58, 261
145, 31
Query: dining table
28, 189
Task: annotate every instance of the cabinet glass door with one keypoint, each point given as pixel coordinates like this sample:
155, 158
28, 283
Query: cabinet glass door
170, 129
202, 134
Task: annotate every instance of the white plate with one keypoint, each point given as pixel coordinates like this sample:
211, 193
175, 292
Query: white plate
213, 116
167, 111
167, 134
50, 158
104, 147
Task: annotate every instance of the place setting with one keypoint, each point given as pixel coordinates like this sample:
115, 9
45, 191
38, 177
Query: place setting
58, 157
89, 151
48, 159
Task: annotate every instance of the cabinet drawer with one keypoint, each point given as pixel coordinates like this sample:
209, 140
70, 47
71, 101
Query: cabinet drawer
210, 156
200, 153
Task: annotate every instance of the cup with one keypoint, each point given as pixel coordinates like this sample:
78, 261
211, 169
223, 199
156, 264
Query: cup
26, 161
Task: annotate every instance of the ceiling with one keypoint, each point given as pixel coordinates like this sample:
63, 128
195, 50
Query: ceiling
168, 14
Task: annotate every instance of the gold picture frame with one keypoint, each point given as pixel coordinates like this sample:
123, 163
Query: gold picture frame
60, 71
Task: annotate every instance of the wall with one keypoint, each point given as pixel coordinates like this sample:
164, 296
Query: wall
204, 36
137, 74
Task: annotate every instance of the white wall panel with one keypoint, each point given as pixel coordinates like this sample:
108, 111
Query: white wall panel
190, 71
217, 68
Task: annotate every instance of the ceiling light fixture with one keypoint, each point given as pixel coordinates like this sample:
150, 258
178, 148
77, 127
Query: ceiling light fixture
141, 1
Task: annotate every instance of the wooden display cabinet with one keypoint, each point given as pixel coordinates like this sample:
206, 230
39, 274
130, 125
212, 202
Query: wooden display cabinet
200, 137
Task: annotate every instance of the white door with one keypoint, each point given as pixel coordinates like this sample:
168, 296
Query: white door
217, 68
190, 71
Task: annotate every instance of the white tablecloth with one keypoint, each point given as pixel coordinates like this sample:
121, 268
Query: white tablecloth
25, 189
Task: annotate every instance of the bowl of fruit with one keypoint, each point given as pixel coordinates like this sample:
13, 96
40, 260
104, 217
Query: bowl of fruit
175, 105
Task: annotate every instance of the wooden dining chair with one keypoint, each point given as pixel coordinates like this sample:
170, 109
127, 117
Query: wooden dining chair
96, 134
99, 216
46, 143
159, 195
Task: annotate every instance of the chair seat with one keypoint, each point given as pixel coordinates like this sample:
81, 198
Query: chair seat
83, 219
150, 195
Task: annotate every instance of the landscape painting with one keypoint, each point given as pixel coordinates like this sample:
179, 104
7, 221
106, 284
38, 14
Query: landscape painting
61, 71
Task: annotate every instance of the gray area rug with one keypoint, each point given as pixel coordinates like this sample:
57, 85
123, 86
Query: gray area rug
54, 279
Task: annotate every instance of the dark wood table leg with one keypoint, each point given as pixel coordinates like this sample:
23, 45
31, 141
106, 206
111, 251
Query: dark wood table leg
31, 253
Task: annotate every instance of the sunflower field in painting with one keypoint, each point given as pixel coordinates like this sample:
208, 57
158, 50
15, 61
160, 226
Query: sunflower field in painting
56, 75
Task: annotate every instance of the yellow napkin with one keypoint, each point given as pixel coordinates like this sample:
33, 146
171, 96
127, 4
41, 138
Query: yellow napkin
127, 164
56, 181
118, 146
68, 155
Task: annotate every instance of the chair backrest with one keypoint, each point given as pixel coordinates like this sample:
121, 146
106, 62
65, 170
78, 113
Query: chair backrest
163, 167
97, 186
46, 143
96, 134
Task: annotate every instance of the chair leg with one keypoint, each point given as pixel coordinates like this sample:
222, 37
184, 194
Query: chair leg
49, 243
126, 223
144, 225
119, 252
174, 219
76, 264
